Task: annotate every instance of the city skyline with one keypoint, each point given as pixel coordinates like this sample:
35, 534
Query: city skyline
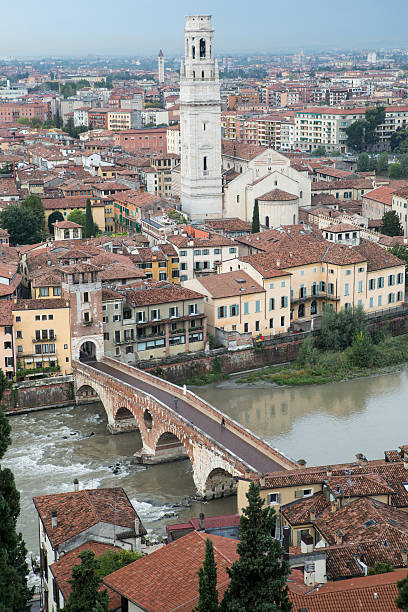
99, 28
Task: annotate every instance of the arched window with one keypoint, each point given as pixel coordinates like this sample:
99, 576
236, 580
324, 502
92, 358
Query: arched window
301, 311
313, 308
267, 221
202, 48
193, 51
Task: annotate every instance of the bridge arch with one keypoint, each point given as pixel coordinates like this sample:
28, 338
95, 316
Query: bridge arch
169, 447
87, 351
220, 483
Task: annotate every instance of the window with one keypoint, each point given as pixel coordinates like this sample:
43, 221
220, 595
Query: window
232, 250
282, 321
283, 284
37, 317
50, 317
346, 289
140, 317
361, 269
7, 345
246, 327
270, 323
86, 297
222, 312
116, 317
391, 280
274, 498
217, 251
20, 348
105, 319
192, 309
197, 251
246, 308
44, 292
155, 314
205, 163
173, 312
371, 302
400, 278
271, 303
257, 326
43, 317
86, 316
19, 334
106, 335
380, 282
348, 272
391, 298
380, 300
371, 284
360, 286
234, 310
284, 301
400, 296
183, 253
271, 285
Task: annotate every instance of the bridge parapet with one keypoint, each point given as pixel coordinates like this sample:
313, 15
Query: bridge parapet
206, 408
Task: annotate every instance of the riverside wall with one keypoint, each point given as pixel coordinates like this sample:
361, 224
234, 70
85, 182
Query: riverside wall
33, 395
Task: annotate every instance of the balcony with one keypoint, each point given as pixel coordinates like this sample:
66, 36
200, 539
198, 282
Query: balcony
87, 323
50, 339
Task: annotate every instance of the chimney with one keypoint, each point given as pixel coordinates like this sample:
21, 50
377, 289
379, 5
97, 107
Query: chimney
201, 521
54, 519
76, 484
137, 527
329, 472
404, 555
306, 543
333, 506
312, 516
301, 463
262, 481
338, 537
286, 540
406, 463
360, 458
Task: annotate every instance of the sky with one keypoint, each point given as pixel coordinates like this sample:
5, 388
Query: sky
142, 27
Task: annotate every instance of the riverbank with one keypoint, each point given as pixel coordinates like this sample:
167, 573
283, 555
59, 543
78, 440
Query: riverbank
322, 367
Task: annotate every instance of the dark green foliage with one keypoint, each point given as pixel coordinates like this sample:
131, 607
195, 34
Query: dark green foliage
400, 251
361, 133
356, 135
361, 352
363, 162
34, 203
308, 354
402, 599
318, 151
207, 582
395, 171
84, 586
113, 560
391, 225
403, 162
255, 218
14, 592
381, 568
73, 131
77, 216
382, 164
53, 218
338, 329
399, 141
258, 578
90, 227
21, 224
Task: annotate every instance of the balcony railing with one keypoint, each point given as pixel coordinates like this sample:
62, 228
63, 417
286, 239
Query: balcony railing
50, 339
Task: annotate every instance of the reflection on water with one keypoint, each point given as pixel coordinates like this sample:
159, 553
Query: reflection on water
322, 424
326, 423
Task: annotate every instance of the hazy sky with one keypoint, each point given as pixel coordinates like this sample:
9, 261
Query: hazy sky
141, 27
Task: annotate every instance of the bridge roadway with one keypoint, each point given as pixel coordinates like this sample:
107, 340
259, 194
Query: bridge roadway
242, 449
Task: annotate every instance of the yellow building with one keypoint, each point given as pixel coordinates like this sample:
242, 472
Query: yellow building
42, 335
67, 205
160, 263
236, 302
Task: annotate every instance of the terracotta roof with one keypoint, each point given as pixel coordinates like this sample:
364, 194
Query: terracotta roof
230, 284
69, 202
6, 312
167, 579
66, 225
215, 241
377, 258
241, 150
161, 295
299, 511
62, 569
231, 225
80, 510
277, 195
41, 304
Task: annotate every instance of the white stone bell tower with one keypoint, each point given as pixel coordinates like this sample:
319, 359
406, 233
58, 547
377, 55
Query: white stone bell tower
200, 122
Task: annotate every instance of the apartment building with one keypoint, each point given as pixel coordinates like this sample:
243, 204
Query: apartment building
173, 139
11, 112
7, 347
160, 262
237, 302
130, 207
162, 166
153, 321
144, 140
399, 205
200, 256
42, 335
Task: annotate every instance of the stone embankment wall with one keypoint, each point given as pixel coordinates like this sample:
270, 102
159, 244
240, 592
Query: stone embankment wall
40, 394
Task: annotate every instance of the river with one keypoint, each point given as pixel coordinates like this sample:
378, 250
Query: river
322, 424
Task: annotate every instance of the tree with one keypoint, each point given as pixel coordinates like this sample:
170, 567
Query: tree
403, 162
356, 135
360, 353
55, 216
34, 203
14, 592
395, 171
338, 329
382, 164
113, 560
399, 141
381, 567
402, 599
308, 354
400, 251
90, 227
362, 133
363, 162
258, 578
391, 225
255, 218
21, 224
318, 151
207, 582
77, 216
84, 593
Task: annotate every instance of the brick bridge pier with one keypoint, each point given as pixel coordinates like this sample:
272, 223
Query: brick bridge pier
176, 425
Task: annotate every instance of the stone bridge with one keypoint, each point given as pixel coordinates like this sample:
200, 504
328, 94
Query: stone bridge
175, 423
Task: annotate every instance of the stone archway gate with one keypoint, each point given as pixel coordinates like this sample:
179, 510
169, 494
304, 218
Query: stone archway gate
210, 444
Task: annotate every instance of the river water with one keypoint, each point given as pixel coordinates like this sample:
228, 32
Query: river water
322, 424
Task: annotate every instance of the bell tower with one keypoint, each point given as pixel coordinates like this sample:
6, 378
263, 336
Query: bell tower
200, 122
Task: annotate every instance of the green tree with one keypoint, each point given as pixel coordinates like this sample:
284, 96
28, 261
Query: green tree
382, 164
372, 165
360, 353
399, 141
402, 599
381, 567
23, 120
374, 117
113, 560
14, 592
34, 203
403, 162
395, 171
255, 218
84, 593
318, 151
400, 251
21, 224
356, 135
90, 227
363, 162
56, 215
207, 582
391, 225
338, 329
308, 354
77, 216
258, 578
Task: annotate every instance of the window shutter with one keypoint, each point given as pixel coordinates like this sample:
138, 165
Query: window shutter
237, 309
298, 493
278, 498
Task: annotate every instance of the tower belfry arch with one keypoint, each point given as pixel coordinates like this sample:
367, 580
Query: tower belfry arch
200, 125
